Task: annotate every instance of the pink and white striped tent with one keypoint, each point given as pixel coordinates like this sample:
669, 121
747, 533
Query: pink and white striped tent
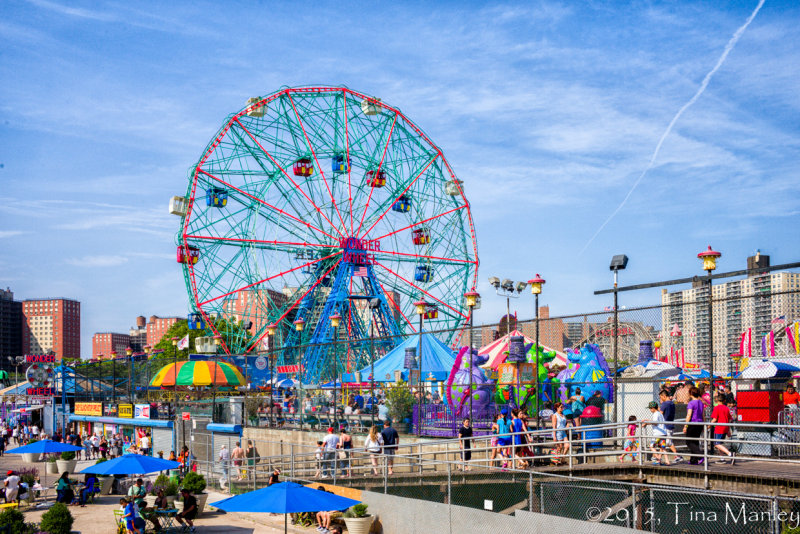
496, 350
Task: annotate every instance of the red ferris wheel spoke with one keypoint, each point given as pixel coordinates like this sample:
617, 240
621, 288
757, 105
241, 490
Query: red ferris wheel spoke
258, 241
267, 204
396, 307
319, 166
289, 177
385, 148
412, 284
389, 206
248, 286
422, 222
378, 252
294, 304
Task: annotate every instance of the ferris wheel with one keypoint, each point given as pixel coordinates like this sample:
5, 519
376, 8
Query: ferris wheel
321, 202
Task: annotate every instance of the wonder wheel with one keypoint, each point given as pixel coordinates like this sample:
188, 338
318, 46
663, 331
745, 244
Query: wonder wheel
318, 205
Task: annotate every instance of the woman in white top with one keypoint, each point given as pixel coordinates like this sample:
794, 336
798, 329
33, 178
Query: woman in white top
374, 444
559, 423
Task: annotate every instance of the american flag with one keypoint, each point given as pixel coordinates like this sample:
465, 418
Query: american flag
360, 271
779, 320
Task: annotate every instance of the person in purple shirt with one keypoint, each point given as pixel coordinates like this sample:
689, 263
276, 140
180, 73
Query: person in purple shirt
694, 414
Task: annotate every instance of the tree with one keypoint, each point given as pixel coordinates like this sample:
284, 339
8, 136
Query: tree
181, 328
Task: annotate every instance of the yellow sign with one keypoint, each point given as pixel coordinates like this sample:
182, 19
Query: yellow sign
89, 408
125, 410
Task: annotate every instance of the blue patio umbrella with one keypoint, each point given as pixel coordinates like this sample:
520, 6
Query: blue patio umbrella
284, 498
131, 464
44, 446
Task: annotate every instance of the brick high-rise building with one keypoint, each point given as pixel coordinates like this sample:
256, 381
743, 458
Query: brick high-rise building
52, 324
10, 327
104, 343
158, 326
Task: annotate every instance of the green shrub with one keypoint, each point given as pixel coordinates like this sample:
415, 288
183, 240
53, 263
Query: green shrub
68, 455
357, 510
52, 458
399, 401
171, 490
100, 461
57, 520
194, 482
13, 520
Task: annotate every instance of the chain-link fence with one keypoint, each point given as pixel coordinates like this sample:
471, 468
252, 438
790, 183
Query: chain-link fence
436, 472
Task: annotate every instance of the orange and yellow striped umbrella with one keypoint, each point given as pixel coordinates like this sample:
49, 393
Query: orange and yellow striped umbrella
198, 373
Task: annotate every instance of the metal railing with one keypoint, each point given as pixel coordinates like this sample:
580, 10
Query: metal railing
449, 478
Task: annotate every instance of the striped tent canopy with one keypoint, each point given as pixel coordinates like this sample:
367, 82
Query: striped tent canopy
497, 351
199, 373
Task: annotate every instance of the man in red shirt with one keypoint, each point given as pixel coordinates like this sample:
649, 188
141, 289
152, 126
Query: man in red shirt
721, 415
790, 396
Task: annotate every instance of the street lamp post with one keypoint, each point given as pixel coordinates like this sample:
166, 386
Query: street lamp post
472, 299
299, 325
129, 353
271, 329
217, 342
113, 376
536, 289
510, 290
420, 307
374, 304
335, 320
146, 349
16, 361
175, 376
709, 258
618, 263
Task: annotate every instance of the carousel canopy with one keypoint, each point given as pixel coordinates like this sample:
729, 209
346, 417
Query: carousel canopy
497, 350
198, 373
437, 360
763, 369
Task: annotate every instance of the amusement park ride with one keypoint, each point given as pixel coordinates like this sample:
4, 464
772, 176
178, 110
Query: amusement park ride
318, 202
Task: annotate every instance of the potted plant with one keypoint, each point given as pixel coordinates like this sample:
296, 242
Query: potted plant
357, 519
31, 457
50, 465
170, 490
57, 520
400, 402
196, 484
160, 482
67, 462
30, 476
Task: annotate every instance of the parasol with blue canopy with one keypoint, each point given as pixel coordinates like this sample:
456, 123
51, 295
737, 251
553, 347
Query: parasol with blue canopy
284, 498
131, 464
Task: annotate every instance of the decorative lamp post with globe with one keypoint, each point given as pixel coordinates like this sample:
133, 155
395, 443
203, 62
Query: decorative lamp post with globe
271, 329
473, 301
420, 307
536, 289
335, 320
709, 258
299, 325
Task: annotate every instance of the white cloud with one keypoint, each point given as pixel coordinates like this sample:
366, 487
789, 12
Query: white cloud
97, 261
11, 233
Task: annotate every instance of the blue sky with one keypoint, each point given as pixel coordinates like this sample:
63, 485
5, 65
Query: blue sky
548, 111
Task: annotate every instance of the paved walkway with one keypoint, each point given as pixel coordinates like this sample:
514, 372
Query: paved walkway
99, 517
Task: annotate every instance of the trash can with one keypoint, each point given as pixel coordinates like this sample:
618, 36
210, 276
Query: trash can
592, 416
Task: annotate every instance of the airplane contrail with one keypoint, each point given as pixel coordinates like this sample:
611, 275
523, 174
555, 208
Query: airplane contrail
728, 47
